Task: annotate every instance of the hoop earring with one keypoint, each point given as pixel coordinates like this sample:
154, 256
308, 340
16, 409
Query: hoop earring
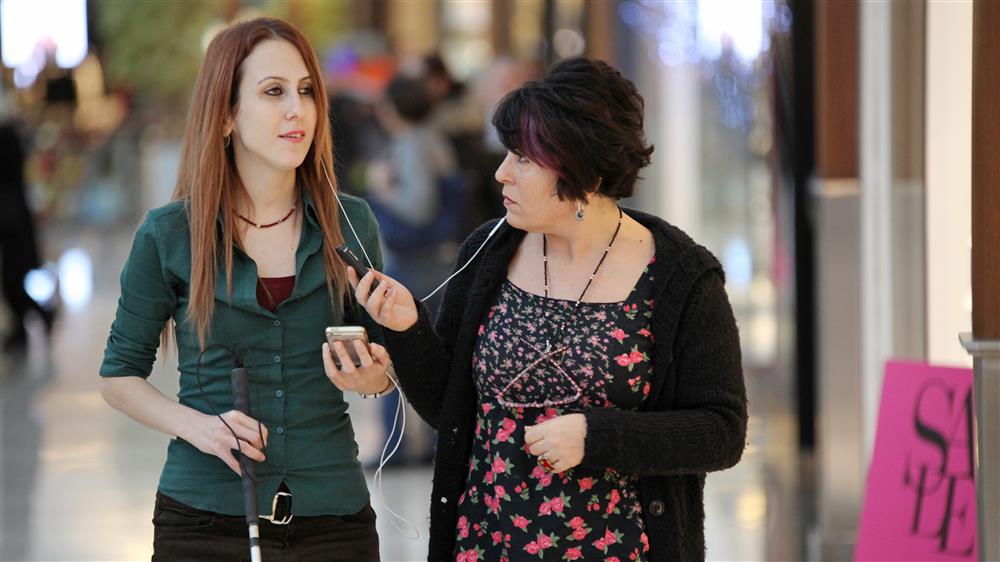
227, 141
579, 211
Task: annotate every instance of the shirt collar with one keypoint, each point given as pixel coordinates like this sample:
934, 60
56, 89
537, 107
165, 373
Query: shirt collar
310, 208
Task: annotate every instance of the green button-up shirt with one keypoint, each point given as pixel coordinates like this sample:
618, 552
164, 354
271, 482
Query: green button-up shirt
311, 445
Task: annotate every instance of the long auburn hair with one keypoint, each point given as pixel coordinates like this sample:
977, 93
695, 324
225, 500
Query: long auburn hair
208, 182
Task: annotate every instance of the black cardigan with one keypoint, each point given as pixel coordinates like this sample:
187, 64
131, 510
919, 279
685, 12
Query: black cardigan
694, 420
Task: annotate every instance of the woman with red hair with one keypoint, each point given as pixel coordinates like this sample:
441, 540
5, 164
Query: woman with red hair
242, 262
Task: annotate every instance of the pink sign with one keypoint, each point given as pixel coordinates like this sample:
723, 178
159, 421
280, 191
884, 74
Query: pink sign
920, 499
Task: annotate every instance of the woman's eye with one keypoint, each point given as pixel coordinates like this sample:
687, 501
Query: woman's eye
523, 160
275, 91
306, 91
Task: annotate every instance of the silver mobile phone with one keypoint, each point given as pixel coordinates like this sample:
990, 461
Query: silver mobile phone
346, 334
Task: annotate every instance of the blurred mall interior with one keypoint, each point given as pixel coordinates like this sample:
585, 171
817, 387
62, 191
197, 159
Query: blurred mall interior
841, 158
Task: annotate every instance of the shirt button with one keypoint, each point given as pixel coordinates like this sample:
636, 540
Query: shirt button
277, 359
656, 508
280, 430
283, 471
277, 322
279, 393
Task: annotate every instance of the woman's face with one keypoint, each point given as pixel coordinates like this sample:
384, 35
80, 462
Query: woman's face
529, 194
275, 119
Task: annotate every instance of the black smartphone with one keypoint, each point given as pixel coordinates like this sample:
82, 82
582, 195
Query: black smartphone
352, 260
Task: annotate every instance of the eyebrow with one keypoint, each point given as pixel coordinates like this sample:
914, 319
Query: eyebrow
282, 78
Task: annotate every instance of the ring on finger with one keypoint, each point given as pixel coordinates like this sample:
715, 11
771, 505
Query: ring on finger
546, 464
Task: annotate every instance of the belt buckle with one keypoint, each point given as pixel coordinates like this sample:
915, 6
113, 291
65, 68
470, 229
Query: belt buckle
281, 509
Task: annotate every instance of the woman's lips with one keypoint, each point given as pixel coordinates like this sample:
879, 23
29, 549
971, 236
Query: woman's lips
294, 136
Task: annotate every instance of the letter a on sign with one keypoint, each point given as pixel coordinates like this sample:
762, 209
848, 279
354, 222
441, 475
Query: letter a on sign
920, 498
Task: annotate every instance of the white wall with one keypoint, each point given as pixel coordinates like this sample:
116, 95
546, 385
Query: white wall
949, 179
679, 126
876, 210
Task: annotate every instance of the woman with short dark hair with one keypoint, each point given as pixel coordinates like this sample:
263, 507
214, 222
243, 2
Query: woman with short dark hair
583, 122
585, 375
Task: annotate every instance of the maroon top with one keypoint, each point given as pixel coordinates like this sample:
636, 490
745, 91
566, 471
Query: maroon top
272, 291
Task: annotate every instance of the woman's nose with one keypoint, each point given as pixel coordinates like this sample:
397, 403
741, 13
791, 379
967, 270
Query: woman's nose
294, 107
502, 174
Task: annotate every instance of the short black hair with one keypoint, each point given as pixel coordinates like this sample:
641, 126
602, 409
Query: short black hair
410, 97
584, 121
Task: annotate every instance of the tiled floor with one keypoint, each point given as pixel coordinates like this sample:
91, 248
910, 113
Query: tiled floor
78, 478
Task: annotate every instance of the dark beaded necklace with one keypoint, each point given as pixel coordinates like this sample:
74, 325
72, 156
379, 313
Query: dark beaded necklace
270, 224
545, 266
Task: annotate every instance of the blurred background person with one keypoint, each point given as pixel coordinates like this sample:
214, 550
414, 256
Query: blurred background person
18, 241
458, 115
420, 198
358, 71
418, 190
358, 136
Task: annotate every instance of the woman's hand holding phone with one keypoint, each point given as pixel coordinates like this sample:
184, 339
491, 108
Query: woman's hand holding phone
390, 303
368, 378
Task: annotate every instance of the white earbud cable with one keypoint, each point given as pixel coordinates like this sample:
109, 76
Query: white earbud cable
452, 276
400, 415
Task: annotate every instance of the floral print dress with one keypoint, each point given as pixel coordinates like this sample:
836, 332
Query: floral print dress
512, 509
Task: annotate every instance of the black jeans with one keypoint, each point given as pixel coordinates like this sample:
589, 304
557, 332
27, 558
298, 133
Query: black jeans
181, 532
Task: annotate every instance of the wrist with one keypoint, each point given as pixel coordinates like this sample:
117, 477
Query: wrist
383, 391
187, 430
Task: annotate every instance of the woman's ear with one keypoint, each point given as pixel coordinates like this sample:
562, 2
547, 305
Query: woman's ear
229, 121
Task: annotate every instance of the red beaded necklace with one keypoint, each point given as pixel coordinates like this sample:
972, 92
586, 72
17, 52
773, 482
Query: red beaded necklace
269, 225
